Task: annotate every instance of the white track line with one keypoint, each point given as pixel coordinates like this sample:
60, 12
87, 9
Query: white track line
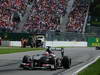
76, 73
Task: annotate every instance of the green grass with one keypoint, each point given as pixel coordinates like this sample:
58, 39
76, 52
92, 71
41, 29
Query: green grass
96, 23
7, 50
93, 69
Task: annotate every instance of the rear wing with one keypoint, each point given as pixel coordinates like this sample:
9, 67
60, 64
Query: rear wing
58, 49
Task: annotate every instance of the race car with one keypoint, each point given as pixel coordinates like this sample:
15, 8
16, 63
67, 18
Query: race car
46, 60
97, 47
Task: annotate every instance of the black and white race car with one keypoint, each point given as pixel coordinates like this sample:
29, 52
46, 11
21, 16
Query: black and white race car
47, 60
97, 47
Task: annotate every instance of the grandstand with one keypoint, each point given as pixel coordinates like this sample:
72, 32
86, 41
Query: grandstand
57, 20
11, 13
44, 16
77, 17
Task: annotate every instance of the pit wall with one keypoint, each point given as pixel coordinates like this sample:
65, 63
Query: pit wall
49, 43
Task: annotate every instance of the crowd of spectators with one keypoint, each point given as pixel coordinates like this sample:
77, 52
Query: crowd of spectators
77, 17
10, 12
45, 15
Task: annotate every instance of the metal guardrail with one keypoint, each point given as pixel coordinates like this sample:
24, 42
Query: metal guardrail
65, 36
69, 36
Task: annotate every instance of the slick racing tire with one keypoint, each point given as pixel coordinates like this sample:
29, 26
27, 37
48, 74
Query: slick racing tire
66, 62
26, 59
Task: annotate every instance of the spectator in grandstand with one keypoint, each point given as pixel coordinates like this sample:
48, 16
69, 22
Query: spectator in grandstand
16, 18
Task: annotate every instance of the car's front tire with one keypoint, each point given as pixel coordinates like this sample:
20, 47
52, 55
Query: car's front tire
26, 59
66, 62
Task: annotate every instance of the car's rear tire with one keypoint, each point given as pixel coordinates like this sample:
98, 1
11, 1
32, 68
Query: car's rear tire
26, 59
66, 62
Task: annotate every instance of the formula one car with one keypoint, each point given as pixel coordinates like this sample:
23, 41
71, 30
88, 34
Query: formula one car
46, 60
97, 47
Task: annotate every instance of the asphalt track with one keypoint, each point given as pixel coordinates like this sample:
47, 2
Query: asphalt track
9, 63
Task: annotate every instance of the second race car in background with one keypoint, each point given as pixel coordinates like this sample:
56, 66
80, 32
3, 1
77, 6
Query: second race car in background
97, 47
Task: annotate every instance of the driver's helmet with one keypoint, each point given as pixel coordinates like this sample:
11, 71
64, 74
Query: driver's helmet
48, 47
46, 54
